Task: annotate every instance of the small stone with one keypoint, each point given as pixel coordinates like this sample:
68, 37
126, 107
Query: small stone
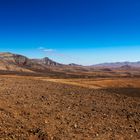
97, 134
136, 130
75, 125
46, 121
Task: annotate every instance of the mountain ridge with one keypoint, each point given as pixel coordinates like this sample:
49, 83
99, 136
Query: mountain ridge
16, 62
118, 64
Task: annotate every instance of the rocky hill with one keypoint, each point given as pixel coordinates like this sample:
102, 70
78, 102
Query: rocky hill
46, 61
16, 62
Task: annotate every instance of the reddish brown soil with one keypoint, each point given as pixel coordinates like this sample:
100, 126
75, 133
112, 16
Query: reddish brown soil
32, 108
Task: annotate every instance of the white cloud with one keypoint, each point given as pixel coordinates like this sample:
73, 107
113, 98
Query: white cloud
53, 52
46, 49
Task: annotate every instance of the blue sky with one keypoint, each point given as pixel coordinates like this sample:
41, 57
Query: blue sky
79, 31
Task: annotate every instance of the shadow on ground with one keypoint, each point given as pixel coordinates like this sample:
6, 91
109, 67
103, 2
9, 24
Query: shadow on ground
132, 92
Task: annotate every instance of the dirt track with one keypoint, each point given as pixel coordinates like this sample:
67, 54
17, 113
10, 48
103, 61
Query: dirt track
31, 108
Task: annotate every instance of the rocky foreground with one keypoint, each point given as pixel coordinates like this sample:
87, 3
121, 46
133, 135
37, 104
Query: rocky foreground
41, 110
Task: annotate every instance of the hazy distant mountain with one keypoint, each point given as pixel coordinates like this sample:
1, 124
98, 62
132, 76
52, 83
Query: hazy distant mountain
119, 64
125, 67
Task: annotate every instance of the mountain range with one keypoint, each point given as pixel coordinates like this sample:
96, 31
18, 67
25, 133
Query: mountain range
20, 63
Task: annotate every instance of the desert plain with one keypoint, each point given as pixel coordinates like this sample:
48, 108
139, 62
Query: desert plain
50, 108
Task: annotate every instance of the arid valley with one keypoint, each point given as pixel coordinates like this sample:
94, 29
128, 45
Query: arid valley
68, 102
69, 69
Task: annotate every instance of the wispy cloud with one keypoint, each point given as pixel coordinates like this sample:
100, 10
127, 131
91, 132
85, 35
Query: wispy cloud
49, 50
46, 49
53, 52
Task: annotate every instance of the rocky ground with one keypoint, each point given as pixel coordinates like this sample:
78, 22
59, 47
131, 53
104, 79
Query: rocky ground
43, 110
